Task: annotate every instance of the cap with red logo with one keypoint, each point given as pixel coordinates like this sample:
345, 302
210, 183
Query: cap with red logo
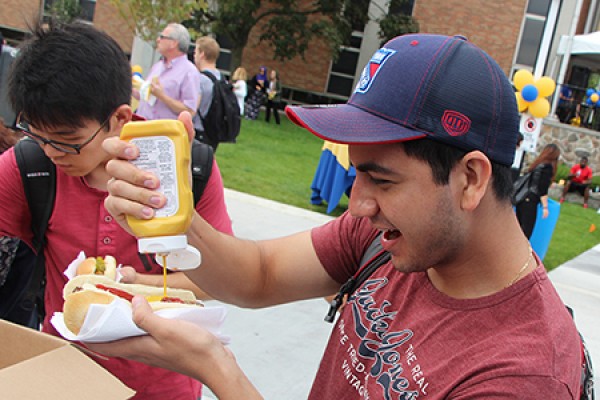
416, 86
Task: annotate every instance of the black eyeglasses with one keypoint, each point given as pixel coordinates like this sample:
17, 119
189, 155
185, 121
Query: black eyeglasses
23, 126
161, 36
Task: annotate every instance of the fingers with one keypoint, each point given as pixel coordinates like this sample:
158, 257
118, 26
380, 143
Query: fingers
132, 190
142, 313
128, 274
120, 149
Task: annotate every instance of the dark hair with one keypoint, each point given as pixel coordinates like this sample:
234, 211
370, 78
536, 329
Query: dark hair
442, 158
548, 155
66, 74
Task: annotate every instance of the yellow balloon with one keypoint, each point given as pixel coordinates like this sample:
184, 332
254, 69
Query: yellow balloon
545, 86
539, 108
594, 98
136, 68
521, 103
522, 78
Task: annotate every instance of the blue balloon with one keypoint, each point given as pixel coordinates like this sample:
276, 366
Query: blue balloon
529, 93
597, 104
589, 101
590, 92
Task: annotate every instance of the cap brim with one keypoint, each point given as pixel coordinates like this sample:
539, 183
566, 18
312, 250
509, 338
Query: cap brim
349, 124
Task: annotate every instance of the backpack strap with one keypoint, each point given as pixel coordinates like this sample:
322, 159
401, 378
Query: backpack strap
213, 79
38, 174
210, 75
373, 258
202, 162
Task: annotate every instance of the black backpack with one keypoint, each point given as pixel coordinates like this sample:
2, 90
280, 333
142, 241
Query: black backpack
222, 121
375, 257
38, 173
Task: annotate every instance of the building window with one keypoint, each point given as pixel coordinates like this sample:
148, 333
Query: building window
224, 60
534, 24
342, 71
82, 9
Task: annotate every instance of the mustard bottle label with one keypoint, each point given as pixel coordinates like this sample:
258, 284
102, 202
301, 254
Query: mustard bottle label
157, 155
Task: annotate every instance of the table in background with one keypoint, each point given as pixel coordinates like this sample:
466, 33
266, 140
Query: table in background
334, 176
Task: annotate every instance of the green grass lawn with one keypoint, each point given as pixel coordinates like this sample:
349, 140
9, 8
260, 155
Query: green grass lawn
278, 162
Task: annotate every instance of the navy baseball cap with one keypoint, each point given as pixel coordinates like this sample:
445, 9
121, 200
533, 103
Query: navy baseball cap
416, 86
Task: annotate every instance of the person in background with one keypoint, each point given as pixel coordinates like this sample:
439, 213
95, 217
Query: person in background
8, 137
257, 94
205, 57
69, 115
174, 80
463, 309
543, 170
565, 109
17, 261
273, 97
240, 87
517, 165
579, 179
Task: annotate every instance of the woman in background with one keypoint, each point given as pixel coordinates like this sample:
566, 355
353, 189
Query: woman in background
273, 96
543, 170
240, 88
258, 87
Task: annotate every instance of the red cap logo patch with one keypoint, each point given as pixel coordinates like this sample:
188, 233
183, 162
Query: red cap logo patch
455, 123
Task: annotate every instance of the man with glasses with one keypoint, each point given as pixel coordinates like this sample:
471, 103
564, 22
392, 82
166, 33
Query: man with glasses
69, 114
174, 80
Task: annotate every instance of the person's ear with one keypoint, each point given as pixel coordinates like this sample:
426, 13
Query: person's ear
122, 115
473, 174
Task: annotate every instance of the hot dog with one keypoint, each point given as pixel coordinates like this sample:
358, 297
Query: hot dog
83, 290
106, 266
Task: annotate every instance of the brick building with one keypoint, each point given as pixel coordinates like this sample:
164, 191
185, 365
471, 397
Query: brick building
517, 33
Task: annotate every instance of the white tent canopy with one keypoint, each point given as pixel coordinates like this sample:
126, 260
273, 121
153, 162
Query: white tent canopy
582, 44
579, 45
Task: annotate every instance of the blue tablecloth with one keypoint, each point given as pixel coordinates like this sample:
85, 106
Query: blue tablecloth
334, 176
544, 228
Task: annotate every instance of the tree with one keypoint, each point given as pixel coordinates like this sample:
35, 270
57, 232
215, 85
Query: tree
65, 11
397, 24
288, 26
147, 18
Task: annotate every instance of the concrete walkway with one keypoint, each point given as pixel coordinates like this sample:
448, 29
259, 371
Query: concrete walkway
280, 348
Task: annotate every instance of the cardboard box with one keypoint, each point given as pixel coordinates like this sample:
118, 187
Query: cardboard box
34, 365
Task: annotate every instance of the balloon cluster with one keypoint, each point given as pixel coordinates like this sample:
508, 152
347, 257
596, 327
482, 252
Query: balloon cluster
532, 93
593, 98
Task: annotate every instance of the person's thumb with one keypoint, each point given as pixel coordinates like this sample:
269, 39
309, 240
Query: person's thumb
143, 316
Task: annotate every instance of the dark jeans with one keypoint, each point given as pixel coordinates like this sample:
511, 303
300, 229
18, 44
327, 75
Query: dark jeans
273, 105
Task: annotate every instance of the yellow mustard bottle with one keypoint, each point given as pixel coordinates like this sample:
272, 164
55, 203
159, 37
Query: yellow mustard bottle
165, 151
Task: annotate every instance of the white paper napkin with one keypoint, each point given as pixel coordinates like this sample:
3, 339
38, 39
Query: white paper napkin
71, 270
108, 322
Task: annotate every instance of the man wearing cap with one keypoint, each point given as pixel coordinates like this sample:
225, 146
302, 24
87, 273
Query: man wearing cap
464, 308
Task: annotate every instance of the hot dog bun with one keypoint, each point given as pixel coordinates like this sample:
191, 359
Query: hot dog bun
76, 307
106, 266
82, 291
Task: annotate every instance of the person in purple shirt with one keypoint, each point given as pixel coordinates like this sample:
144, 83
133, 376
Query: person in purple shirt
173, 81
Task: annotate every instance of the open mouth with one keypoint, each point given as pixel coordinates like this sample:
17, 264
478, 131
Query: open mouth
391, 234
